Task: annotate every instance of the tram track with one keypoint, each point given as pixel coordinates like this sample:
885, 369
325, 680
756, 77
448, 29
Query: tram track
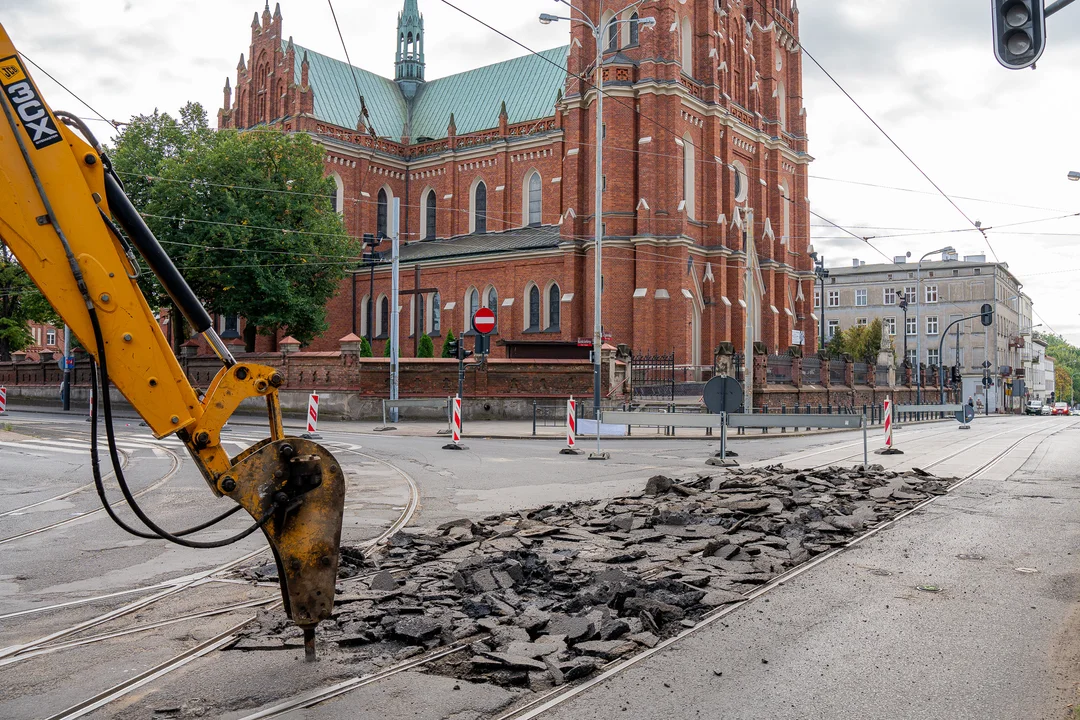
557, 696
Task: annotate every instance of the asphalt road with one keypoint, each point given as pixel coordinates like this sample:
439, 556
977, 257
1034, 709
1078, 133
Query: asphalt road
833, 647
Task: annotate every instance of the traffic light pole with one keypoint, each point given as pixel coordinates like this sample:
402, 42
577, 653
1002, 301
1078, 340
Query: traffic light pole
1054, 7
941, 345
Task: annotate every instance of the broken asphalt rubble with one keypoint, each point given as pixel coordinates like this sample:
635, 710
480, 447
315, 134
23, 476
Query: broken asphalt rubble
541, 597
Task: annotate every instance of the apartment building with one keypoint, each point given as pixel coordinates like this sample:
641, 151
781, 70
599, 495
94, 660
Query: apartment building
942, 292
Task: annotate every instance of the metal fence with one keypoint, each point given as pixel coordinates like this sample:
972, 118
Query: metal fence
836, 373
652, 376
862, 373
881, 375
811, 371
549, 413
778, 369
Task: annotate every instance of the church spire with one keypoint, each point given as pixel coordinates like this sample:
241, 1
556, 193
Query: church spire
409, 61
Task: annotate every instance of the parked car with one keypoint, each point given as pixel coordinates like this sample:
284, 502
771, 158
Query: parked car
1045, 410
1034, 407
1060, 409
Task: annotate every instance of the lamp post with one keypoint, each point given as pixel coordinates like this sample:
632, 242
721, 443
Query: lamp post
918, 321
598, 31
903, 303
821, 272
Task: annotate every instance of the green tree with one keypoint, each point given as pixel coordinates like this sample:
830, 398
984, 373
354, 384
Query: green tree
446, 344
365, 348
247, 217
1066, 355
836, 345
426, 348
386, 349
20, 303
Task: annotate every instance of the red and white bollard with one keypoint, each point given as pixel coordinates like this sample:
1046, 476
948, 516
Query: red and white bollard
455, 426
571, 428
3, 399
90, 413
312, 416
889, 448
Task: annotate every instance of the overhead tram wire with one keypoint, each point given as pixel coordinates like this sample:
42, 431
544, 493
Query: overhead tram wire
90, 107
356, 82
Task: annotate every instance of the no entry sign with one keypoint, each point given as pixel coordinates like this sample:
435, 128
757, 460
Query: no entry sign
483, 321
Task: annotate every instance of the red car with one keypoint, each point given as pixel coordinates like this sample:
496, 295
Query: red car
1060, 409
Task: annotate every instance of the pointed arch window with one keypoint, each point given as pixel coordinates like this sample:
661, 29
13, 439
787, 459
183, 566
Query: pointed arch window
633, 29
436, 314
536, 199
613, 35
491, 302
429, 215
380, 214
687, 47
384, 316
472, 302
480, 208
534, 307
689, 185
554, 304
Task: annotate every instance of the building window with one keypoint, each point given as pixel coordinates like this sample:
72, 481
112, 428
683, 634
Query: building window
50, 337
380, 214
978, 271
931, 325
364, 303
817, 297
634, 29
932, 356
553, 310
536, 203
687, 48
532, 297
911, 326
384, 316
860, 298
834, 298
931, 293
913, 357
833, 326
429, 215
860, 322
339, 194
781, 106
612, 35
491, 302
472, 302
909, 294
785, 202
480, 208
689, 192
742, 183
890, 296
889, 324
435, 322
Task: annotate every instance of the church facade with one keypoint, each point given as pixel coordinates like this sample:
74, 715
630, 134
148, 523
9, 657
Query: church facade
705, 213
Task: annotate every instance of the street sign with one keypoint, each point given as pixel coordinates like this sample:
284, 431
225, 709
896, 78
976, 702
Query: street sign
723, 394
587, 341
966, 415
483, 321
798, 337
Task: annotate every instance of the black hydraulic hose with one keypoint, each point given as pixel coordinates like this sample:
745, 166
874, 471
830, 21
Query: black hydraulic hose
122, 481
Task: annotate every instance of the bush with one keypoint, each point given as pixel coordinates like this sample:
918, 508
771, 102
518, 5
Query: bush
426, 348
365, 348
446, 344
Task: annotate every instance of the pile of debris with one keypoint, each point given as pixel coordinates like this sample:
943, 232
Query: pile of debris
537, 598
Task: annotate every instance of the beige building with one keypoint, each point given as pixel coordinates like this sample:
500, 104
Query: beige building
944, 291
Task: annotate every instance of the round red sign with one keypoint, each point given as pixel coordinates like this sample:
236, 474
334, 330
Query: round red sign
483, 321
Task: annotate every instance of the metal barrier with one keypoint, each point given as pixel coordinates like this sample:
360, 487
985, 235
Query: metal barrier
444, 403
737, 420
904, 412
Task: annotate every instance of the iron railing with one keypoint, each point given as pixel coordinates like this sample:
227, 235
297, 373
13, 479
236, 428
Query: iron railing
811, 371
652, 376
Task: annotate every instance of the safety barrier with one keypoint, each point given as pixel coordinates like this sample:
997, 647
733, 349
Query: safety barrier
571, 428
312, 414
437, 403
905, 412
455, 426
3, 399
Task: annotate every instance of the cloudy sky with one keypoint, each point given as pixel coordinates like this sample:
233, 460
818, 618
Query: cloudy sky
999, 142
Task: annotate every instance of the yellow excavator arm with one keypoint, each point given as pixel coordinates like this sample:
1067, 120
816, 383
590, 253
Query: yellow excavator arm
60, 208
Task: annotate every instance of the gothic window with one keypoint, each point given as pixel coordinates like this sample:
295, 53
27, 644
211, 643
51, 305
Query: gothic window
689, 191
532, 295
436, 314
553, 309
365, 330
339, 194
634, 29
613, 35
384, 316
429, 215
687, 48
492, 304
472, 298
535, 199
781, 105
785, 200
480, 208
380, 214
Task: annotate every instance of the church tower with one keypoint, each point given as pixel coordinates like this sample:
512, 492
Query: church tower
409, 61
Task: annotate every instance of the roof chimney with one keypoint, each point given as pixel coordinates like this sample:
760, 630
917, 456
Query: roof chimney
854, 262
899, 259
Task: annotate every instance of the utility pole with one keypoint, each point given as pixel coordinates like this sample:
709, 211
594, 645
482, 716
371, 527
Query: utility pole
750, 294
394, 329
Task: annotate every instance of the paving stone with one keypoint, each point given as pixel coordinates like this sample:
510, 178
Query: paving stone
607, 649
383, 582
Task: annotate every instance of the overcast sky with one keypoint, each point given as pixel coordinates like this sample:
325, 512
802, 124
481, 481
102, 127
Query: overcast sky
924, 69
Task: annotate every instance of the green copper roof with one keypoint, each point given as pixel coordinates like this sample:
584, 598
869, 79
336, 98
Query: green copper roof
528, 85
335, 95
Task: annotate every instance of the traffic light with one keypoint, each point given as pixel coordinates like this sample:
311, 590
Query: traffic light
1019, 32
483, 344
987, 320
453, 347
956, 377
462, 353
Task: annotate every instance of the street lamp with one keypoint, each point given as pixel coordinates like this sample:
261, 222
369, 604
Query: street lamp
918, 320
821, 272
598, 31
903, 303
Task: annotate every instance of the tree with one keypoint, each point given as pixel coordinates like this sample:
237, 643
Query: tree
365, 348
1063, 383
1065, 356
247, 217
836, 343
20, 303
446, 344
425, 348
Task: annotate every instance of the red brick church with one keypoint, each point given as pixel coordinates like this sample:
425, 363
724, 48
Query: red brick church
494, 170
